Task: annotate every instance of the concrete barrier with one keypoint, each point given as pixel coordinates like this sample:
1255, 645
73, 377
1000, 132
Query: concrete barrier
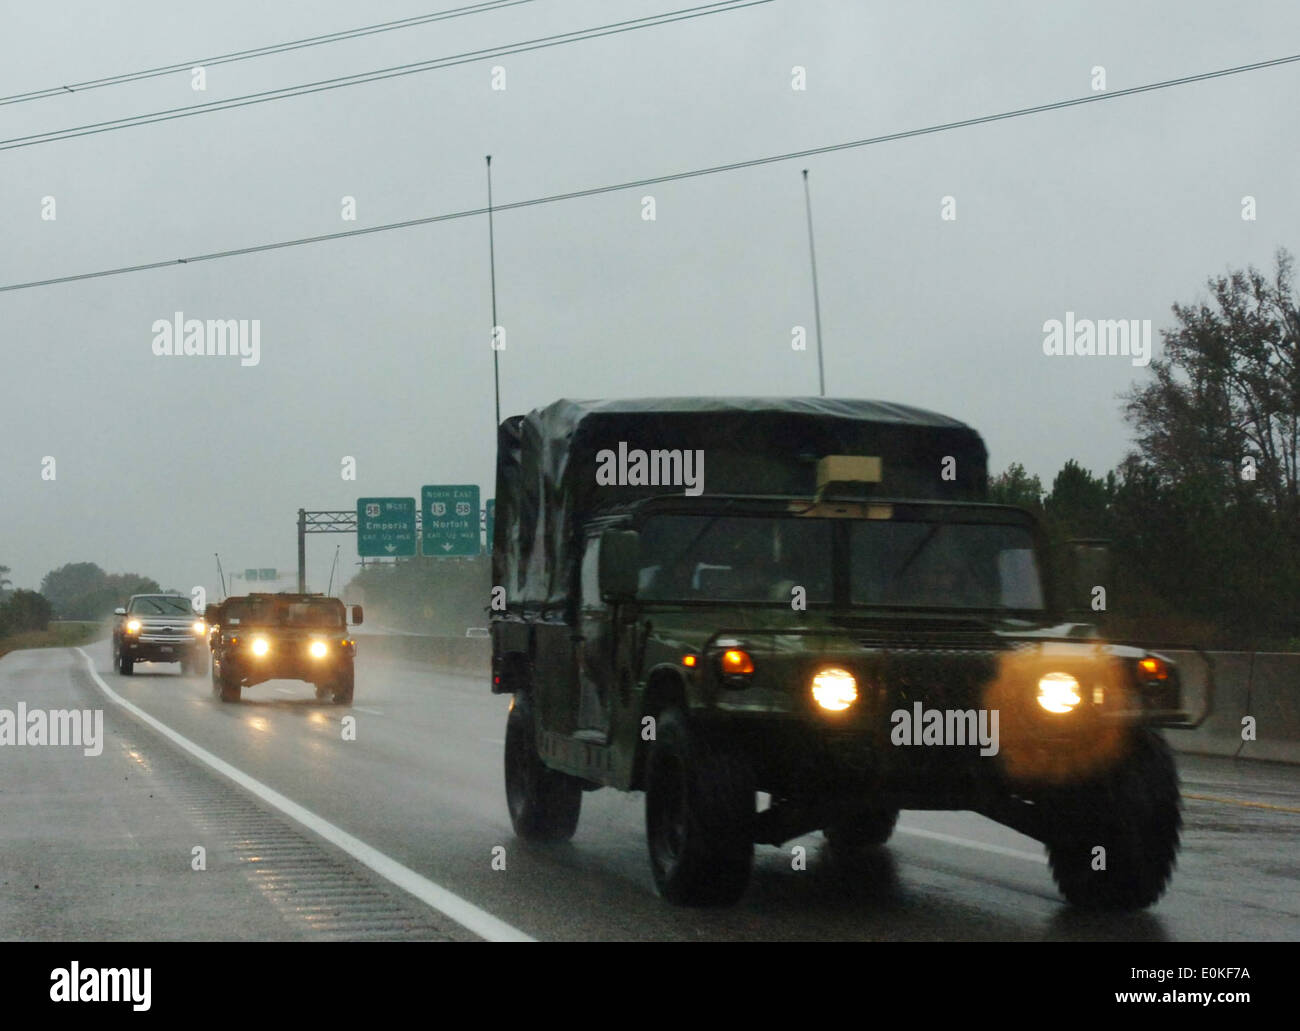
1275, 703
471, 655
1262, 685
1221, 733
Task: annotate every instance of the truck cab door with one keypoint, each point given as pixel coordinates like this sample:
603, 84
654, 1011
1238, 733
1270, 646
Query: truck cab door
594, 646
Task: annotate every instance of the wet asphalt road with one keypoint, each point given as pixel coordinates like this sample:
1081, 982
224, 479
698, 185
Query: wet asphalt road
112, 836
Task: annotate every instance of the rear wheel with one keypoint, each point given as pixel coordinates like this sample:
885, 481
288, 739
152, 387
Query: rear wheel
699, 815
544, 804
1112, 844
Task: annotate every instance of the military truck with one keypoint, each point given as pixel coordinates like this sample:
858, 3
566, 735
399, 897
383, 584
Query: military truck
707, 598
284, 636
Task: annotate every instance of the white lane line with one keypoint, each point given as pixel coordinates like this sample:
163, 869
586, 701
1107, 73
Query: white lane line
363, 708
952, 839
458, 909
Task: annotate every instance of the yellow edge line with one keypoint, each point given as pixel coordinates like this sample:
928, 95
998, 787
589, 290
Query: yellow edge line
1237, 801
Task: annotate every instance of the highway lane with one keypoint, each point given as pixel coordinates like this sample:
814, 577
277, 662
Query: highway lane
422, 782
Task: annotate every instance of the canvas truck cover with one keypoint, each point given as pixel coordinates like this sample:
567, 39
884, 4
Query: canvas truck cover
547, 463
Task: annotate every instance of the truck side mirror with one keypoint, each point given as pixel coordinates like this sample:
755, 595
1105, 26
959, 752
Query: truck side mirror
1090, 577
619, 565
356, 615
209, 614
119, 611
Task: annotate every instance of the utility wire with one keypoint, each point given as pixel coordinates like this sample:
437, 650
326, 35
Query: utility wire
274, 48
674, 177
577, 36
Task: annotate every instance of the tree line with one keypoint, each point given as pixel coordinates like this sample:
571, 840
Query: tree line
1203, 514
77, 590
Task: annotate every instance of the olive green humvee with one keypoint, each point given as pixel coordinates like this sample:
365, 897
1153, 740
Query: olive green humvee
259, 637
707, 598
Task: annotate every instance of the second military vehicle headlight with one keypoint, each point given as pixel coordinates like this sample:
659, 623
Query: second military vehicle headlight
1058, 692
261, 646
318, 649
834, 689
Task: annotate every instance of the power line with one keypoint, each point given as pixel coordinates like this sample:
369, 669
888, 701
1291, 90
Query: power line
656, 180
273, 48
577, 36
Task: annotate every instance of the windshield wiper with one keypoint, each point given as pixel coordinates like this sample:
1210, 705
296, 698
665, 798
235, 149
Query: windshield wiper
920, 547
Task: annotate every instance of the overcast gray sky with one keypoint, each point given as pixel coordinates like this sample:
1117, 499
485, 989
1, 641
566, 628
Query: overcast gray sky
377, 347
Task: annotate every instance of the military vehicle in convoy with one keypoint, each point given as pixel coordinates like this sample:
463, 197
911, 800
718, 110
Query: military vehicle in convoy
706, 598
260, 637
159, 628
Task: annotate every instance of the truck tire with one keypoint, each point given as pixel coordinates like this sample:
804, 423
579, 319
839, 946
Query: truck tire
849, 837
125, 664
227, 688
1133, 813
342, 686
544, 804
699, 809
197, 665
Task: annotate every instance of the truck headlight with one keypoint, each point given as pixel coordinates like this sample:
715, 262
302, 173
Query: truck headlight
132, 626
1058, 692
318, 649
260, 646
834, 689
198, 626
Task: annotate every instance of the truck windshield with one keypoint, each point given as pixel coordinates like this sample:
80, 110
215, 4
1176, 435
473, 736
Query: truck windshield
265, 612
943, 565
891, 562
734, 558
313, 614
162, 605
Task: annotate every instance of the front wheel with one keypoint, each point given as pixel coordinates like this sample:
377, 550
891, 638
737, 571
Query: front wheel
342, 687
125, 664
1112, 844
853, 835
544, 804
699, 807
225, 686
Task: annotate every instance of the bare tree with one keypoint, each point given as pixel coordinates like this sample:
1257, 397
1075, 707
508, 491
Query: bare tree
1223, 411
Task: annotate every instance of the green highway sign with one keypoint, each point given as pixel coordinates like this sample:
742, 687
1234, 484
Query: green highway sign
250, 574
491, 506
268, 574
450, 515
385, 527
